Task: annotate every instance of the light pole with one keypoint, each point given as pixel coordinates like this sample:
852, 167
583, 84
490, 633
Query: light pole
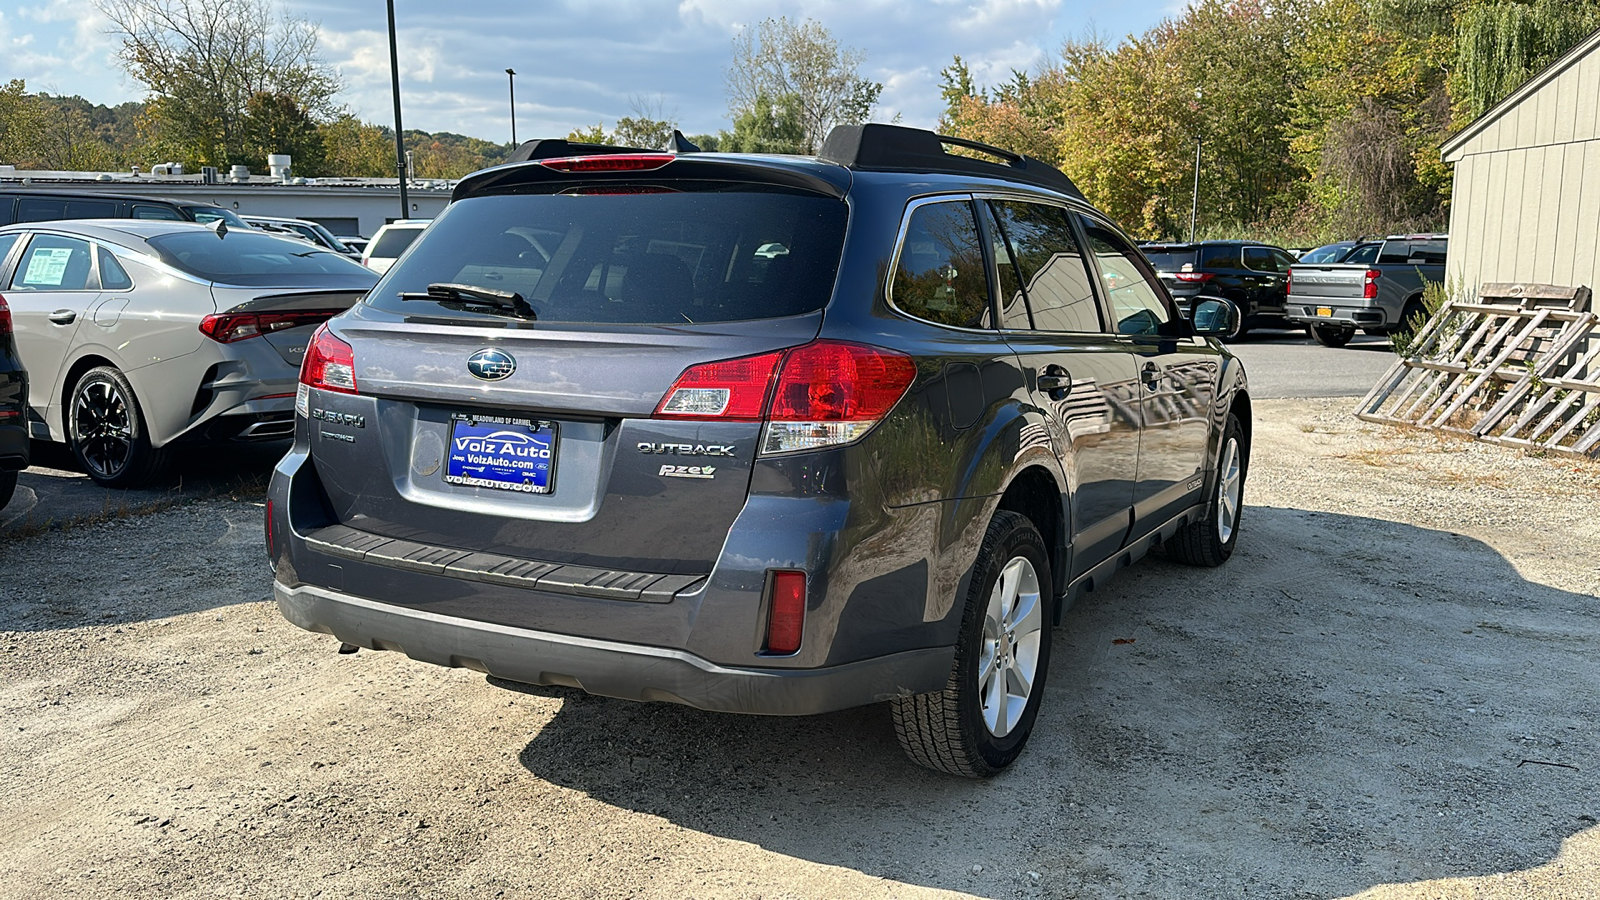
399, 136
1194, 207
511, 79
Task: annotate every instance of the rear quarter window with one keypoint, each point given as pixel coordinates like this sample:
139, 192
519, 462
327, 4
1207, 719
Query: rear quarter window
940, 276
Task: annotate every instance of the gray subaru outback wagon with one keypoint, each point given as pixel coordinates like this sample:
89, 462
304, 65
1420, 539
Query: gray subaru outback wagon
759, 434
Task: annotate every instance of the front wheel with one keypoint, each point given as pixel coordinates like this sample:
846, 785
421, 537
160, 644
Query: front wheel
1332, 335
1210, 541
979, 723
107, 431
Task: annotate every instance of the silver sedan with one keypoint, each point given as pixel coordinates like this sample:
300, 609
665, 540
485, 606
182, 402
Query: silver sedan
137, 335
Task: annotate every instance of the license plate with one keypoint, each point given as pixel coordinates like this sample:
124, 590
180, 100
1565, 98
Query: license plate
1326, 311
502, 453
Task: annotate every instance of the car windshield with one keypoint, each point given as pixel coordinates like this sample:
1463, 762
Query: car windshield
629, 258
1170, 259
252, 258
1332, 253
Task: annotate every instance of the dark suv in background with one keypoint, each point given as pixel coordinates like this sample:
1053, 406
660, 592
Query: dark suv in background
1248, 275
33, 205
758, 434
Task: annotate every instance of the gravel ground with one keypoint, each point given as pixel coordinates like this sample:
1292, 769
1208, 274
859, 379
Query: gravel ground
1388, 692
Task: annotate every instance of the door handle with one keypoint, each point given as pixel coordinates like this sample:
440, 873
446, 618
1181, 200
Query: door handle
1055, 381
1150, 375
63, 316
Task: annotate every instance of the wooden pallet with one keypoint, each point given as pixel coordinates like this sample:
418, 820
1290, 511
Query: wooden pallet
1519, 366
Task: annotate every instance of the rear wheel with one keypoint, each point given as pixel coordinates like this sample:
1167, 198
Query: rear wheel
107, 431
1332, 335
1210, 541
979, 723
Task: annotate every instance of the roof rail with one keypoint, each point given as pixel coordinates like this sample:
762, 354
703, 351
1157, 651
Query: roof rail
895, 147
556, 148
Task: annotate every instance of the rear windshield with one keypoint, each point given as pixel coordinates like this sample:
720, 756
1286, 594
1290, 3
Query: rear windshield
394, 242
637, 259
251, 258
1328, 254
1170, 259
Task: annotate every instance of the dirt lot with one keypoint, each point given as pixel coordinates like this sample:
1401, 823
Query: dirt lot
1390, 691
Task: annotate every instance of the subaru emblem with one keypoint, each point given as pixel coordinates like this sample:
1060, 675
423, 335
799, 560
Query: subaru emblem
491, 365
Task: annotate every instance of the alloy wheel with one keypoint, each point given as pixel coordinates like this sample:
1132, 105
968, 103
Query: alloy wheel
102, 427
1230, 485
1013, 626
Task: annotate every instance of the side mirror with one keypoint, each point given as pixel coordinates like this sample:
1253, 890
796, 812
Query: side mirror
1213, 317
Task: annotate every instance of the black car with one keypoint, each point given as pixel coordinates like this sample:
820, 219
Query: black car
1248, 275
13, 399
759, 434
36, 205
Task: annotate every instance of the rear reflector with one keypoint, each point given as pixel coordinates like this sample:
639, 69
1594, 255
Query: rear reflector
787, 618
226, 328
330, 363
620, 162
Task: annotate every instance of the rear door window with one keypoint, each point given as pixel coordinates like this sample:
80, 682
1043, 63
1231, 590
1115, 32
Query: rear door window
1051, 266
40, 209
1220, 256
53, 263
1259, 259
940, 277
91, 209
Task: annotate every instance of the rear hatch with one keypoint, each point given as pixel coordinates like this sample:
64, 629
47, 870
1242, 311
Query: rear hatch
1334, 283
551, 321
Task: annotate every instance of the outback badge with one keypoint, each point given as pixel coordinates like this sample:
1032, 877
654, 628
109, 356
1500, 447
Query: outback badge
491, 365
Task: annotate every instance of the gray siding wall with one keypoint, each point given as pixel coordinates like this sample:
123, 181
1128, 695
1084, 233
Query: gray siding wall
1526, 203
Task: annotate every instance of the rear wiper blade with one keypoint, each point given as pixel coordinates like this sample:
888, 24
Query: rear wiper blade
472, 295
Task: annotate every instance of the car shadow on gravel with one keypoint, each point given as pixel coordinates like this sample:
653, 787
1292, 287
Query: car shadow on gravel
55, 490
1349, 702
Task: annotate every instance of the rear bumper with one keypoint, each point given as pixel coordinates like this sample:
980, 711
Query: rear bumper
1307, 312
610, 668
13, 446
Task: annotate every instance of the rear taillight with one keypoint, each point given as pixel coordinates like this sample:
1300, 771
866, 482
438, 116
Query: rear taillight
617, 162
786, 617
733, 389
330, 364
226, 328
1288, 282
833, 393
1195, 277
5, 317
820, 394
1369, 286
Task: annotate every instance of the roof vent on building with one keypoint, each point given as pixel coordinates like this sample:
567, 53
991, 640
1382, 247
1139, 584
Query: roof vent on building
239, 173
208, 174
278, 166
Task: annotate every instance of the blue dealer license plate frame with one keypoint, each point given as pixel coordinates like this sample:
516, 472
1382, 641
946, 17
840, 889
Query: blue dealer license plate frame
502, 452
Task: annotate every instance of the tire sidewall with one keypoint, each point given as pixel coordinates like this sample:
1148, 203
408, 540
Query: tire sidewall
1016, 538
1232, 431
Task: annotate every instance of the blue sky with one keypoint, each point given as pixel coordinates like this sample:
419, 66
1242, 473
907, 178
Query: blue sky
579, 63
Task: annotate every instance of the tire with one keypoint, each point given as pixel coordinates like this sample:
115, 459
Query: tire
107, 433
1408, 323
1332, 335
8, 486
970, 728
1210, 541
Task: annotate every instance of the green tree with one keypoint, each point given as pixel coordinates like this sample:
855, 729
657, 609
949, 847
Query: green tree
203, 60
779, 59
1502, 43
768, 126
591, 134
22, 121
650, 134
353, 149
275, 123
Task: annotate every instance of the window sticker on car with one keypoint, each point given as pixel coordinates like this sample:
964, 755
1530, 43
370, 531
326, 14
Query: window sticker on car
47, 266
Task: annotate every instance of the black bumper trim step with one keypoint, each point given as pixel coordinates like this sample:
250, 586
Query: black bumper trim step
492, 568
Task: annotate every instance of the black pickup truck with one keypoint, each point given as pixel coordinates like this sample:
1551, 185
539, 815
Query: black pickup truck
1381, 297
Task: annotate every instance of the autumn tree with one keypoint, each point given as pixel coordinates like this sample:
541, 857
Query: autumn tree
202, 61
799, 65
